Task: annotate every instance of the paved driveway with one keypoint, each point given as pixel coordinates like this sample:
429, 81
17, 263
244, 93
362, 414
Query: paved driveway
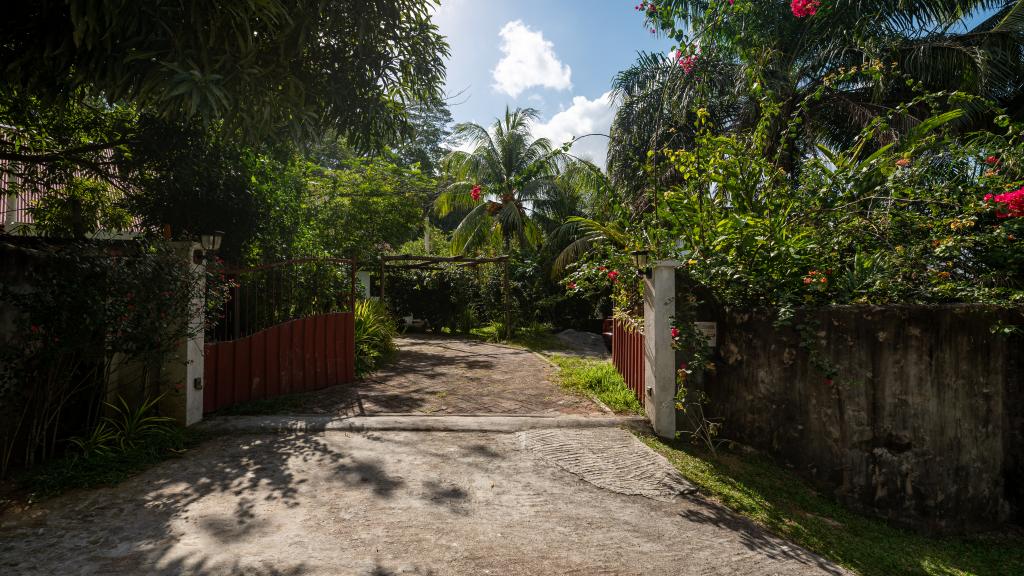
438, 375
394, 503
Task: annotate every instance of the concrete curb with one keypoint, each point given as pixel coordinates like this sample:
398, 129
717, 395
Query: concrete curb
276, 424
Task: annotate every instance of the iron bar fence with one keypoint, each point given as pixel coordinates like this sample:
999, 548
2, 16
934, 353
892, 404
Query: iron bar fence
267, 295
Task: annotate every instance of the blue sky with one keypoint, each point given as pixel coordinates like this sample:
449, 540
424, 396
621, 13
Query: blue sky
558, 56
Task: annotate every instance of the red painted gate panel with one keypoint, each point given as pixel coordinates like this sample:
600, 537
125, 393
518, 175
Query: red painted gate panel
305, 354
628, 357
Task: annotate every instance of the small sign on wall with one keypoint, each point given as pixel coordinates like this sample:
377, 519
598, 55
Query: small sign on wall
710, 332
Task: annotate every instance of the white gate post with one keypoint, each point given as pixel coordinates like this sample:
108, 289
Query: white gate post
659, 357
183, 367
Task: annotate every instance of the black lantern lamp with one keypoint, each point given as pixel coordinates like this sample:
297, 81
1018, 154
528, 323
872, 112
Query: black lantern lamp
211, 242
642, 260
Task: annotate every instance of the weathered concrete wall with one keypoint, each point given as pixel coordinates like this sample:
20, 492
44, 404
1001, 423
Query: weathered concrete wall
914, 413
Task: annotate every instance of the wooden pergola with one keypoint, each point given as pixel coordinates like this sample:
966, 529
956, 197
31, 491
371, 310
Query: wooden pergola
419, 262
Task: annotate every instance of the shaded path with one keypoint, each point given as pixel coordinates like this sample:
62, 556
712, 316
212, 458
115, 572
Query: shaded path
383, 503
437, 375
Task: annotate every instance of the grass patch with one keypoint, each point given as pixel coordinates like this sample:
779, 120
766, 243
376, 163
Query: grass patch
537, 337
70, 472
758, 488
600, 378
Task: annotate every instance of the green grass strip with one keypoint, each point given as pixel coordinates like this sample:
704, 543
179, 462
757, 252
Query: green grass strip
597, 377
758, 488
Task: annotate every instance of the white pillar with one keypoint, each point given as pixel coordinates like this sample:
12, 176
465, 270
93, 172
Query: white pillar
182, 372
196, 348
659, 357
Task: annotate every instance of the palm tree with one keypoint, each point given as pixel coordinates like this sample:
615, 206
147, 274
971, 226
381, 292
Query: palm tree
499, 181
831, 74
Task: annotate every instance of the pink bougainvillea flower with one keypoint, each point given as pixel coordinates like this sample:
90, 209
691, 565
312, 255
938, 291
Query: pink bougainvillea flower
992, 160
1009, 205
804, 8
571, 285
613, 275
687, 63
675, 332
475, 193
903, 162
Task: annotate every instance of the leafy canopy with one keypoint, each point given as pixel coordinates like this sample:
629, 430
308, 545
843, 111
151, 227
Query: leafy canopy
263, 67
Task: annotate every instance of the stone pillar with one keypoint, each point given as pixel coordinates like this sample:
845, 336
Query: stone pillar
659, 357
182, 370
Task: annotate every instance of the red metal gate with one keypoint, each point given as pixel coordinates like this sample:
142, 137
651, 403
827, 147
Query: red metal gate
628, 356
286, 328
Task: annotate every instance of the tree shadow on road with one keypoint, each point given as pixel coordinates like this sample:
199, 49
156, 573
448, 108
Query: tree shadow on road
142, 525
753, 537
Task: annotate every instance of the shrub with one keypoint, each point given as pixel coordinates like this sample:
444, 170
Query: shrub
375, 335
82, 312
124, 442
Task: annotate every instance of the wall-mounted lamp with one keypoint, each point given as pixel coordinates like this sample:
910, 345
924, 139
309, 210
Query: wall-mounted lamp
642, 259
210, 243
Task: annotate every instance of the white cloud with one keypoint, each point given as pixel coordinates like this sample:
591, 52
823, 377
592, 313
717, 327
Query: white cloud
529, 60
582, 117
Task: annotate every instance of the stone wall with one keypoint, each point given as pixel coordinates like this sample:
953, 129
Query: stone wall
913, 413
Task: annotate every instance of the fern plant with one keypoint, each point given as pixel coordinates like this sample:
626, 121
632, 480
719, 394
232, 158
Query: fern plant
375, 332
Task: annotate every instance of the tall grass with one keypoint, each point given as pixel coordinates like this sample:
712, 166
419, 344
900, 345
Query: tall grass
375, 335
599, 378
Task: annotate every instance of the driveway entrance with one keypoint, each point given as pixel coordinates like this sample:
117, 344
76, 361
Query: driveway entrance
390, 503
437, 376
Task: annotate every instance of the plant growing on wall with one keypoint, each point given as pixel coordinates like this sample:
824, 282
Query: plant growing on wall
84, 313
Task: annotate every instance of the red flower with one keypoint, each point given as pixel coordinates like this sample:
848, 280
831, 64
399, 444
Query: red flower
1010, 205
35, 328
613, 275
992, 160
475, 193
602, 268
571, 285
804, 8
828, 381
687, 63
675, 332
903, 162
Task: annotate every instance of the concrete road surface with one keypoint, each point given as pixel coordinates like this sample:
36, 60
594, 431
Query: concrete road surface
395, 502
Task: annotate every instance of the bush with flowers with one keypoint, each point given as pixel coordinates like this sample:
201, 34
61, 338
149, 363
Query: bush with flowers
935, 217
85, 314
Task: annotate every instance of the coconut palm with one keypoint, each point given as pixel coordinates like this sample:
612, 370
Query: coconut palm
500, 180
827, 75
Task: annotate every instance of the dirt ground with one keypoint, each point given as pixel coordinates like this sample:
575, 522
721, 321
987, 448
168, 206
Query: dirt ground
414, 503
437, 375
